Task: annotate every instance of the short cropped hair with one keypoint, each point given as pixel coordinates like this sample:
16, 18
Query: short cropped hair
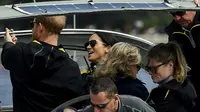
53, 24
104, 84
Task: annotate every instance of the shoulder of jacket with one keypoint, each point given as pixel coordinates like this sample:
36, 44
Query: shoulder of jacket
20, 45
172, 27
131, 109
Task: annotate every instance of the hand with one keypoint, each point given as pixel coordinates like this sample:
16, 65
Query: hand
10, 37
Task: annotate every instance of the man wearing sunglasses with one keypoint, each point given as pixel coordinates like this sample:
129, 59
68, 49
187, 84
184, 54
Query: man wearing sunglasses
42, 73
104, 97
185, 30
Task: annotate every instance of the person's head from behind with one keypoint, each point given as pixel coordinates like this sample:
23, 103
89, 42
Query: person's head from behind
98, 45
184, 18
122, 58
45, 26
103, 95
165, 60
67, 109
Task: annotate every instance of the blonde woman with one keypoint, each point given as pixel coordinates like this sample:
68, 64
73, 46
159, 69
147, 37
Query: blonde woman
121, 64
167, 67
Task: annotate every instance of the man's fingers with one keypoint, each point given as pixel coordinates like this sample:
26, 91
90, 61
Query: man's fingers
9, 36
14, 39
7, 31
12, 35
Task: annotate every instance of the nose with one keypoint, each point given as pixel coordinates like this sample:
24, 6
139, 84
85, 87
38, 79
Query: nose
150, 72
176, 17
96, 109
88, 47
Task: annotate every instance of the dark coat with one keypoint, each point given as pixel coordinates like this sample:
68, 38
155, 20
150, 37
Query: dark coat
43, 76
174, 97
125, 86
131, 86
189, 41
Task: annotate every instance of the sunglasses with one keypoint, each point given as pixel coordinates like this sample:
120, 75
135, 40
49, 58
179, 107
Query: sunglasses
92, 43
100, 106
153, 69
178, 13
32, 23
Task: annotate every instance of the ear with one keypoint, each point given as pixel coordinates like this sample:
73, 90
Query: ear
116, 98
40, 27
171, 64
107, 49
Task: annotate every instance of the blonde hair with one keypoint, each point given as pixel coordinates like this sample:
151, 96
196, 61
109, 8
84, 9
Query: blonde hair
166, 52
69, 110
53, 24
120, 59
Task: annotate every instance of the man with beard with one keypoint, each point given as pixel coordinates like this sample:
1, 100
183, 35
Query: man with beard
42, 74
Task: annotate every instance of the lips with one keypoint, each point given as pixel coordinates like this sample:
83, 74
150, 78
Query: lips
90, 52
181, 22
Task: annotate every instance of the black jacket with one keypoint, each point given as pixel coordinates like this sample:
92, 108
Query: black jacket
189, 41
130, 86
87, 75
43, 76
174, 97
125, 86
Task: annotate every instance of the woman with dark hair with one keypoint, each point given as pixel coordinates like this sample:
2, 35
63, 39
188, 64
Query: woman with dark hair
167, 67
99, 45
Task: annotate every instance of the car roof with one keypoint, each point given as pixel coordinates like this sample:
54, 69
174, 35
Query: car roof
88, 6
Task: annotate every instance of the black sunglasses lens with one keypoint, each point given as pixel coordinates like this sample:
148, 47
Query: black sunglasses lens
178, 13
93, 43
153, 69
31, 24
101, 106
150, 69
86, 44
